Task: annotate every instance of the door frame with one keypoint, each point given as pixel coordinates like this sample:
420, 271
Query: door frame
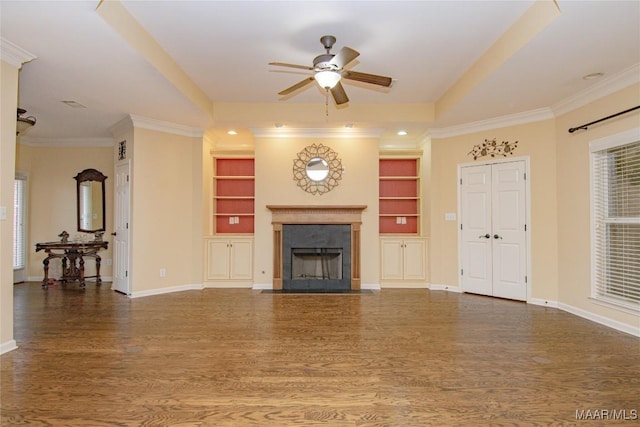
527, 186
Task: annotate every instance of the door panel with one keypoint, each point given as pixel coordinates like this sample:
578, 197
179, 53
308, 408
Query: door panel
476, 271
414, 260
391, 259
241, 259
508, 224
122, 209
218, 260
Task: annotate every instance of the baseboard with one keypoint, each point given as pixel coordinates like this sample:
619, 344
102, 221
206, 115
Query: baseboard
542, 302
401, 285
370, 286
227, 285
8, 346
440, 287
614, 324
168, 290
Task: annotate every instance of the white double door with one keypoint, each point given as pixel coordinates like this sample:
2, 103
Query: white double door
493, 229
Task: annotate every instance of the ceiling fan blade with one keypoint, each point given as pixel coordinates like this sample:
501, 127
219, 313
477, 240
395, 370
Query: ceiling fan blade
344, 56
339, 95
296, 86
367, 78
283, 64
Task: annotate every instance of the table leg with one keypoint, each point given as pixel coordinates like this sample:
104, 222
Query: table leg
82, 284
98, 279
45, 264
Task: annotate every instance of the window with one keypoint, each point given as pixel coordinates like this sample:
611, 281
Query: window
19, 219
615, 183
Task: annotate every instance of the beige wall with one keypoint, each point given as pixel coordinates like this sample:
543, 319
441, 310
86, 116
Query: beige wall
574, 197
9, 103
535, 140
51, 205
275, 186
166, 212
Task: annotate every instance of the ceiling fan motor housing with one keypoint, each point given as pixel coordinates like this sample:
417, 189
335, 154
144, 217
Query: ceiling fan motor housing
321, 63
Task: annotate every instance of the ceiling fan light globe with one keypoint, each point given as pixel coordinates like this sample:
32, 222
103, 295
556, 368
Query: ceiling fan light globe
327, 79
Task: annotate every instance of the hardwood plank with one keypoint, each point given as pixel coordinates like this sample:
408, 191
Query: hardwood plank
236, 357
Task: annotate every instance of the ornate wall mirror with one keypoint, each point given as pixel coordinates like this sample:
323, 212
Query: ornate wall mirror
90, 201
317, 169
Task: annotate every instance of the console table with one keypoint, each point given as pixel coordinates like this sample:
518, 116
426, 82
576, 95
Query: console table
72, 255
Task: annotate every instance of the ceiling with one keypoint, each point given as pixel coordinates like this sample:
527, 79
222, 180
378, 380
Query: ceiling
222, 48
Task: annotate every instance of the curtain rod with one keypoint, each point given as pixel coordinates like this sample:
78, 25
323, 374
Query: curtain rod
572, 130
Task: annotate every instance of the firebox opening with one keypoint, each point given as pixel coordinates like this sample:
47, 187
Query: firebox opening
316, 263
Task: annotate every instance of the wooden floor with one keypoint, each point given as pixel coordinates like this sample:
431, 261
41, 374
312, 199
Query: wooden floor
241, 358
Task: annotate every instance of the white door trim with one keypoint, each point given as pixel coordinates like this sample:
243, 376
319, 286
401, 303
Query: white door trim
528, 221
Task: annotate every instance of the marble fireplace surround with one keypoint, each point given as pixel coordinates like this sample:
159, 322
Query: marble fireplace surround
320, 214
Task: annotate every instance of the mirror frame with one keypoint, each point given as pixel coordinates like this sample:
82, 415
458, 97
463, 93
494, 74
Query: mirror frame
317, 151
84, 176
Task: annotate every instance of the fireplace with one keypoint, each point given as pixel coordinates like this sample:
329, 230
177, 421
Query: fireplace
316, 248
316, 257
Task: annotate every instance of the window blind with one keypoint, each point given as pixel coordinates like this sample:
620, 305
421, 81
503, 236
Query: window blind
616, 211
19, 232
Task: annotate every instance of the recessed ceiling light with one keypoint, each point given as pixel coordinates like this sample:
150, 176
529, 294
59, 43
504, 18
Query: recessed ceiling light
232, 132
349, 125
73, 104
402, 133
278, 125
592, 76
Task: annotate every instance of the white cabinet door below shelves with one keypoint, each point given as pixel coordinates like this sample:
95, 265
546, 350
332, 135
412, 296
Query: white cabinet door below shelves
414, 260
241, 262
229, 259
403, 259
392, 264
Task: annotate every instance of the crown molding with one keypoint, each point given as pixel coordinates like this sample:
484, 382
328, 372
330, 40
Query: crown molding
316, 133
133, 121
166, 127
498, 122
598, 90
65, 142
14, 54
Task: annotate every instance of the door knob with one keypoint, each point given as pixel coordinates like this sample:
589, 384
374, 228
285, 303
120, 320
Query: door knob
486, 236
495, 236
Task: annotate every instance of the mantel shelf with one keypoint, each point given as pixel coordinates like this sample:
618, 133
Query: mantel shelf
316, 214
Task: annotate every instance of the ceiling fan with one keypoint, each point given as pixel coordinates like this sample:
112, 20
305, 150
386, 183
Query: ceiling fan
329, 70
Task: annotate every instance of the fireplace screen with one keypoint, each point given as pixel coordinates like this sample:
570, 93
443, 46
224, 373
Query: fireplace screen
316, 263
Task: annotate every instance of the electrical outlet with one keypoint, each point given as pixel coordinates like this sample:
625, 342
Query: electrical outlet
163, 272
109, 261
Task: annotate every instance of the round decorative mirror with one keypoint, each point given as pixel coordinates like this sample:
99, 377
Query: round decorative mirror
317, 169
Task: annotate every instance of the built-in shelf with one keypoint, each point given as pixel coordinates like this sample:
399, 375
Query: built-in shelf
399, 197
234, 195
